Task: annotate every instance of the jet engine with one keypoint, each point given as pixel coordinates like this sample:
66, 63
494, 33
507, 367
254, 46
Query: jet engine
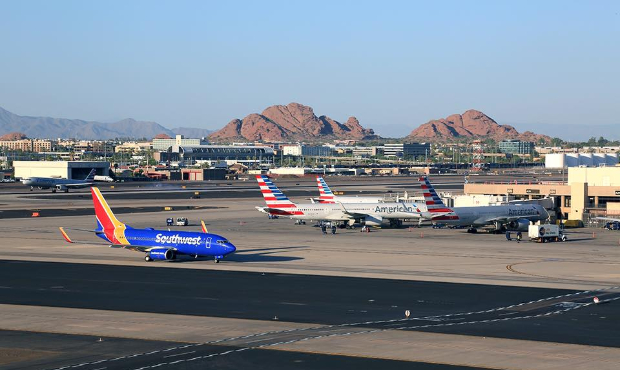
162, 254
521, 224
373, 221
61, 188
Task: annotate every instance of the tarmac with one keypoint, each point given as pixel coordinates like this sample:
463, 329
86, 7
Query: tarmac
291, 293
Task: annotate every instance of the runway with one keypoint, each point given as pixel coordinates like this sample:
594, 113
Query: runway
55, 351
376, 303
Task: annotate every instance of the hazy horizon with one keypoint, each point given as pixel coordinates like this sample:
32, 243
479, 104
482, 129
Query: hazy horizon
393, 65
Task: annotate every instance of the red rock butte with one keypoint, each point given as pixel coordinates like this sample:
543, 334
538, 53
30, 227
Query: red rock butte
291, 122
13, 136
472, 124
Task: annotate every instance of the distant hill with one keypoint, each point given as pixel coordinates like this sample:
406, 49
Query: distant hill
472, 124
192, 132
52, 128
291, 122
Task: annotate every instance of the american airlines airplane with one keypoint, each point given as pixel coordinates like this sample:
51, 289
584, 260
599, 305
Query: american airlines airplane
515, 217
371, 214
327, 196
157, 244
59, 184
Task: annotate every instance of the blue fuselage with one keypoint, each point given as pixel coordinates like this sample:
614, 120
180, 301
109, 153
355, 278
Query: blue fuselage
182, 242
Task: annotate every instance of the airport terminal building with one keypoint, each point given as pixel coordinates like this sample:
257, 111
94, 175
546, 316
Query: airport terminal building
246, 154
588, 191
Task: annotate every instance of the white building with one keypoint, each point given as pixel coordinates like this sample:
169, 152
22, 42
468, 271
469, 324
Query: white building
163, 144
59, 169
293, 150
564, 160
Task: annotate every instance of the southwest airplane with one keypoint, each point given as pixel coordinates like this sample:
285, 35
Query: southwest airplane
157, 244
372, 214
327, 196
515, 217
59, 184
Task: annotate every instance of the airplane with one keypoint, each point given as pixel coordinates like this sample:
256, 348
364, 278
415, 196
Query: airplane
513, 217
157, 244
611, 223
327, 196
103, 178
59, 184
371, 214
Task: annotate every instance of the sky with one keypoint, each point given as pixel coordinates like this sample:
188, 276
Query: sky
547, 65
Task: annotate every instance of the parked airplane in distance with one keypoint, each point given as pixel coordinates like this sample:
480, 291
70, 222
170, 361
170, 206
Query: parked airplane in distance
103, 178
327, 196
371, 214
59, 184
157, 244
515, 217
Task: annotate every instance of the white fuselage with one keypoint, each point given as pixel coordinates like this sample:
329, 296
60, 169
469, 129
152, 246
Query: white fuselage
352, 211
50, 182
350, 199
479, 216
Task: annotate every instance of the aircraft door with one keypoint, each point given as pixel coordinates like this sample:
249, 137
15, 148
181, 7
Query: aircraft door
208, 243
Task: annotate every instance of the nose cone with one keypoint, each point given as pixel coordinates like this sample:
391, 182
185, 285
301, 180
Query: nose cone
230, 248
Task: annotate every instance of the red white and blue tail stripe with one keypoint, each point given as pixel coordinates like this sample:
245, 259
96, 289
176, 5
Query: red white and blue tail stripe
325, 193
273, 196
434, 204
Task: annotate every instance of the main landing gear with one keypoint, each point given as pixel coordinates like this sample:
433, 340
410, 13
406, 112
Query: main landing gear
148, 258
472, 230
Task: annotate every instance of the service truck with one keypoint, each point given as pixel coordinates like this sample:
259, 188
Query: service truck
546, 233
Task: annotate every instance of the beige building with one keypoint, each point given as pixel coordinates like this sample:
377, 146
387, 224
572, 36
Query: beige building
593, 190
28, 145
133, 147
180, 140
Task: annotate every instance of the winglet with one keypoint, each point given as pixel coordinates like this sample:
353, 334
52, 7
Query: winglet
64, 235
204, 227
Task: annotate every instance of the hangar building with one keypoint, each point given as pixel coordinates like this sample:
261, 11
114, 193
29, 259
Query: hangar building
59, 169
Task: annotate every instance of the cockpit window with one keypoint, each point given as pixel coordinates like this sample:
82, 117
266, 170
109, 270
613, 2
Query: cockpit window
223, 241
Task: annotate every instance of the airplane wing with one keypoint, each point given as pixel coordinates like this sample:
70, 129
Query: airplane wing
352, 214
77, 184
607, 218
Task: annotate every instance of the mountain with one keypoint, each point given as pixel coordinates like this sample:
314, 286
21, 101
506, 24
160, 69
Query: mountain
52, 128
192, 132
472, 124
573, 132
291, 122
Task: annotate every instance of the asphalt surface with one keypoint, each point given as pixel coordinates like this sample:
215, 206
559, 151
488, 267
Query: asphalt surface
483, 310
59, 212
54, 351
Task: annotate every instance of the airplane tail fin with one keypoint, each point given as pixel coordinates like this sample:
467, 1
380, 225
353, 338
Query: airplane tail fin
433, 201
273, 196
107, 222
325, 193
91, 175
204, 227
